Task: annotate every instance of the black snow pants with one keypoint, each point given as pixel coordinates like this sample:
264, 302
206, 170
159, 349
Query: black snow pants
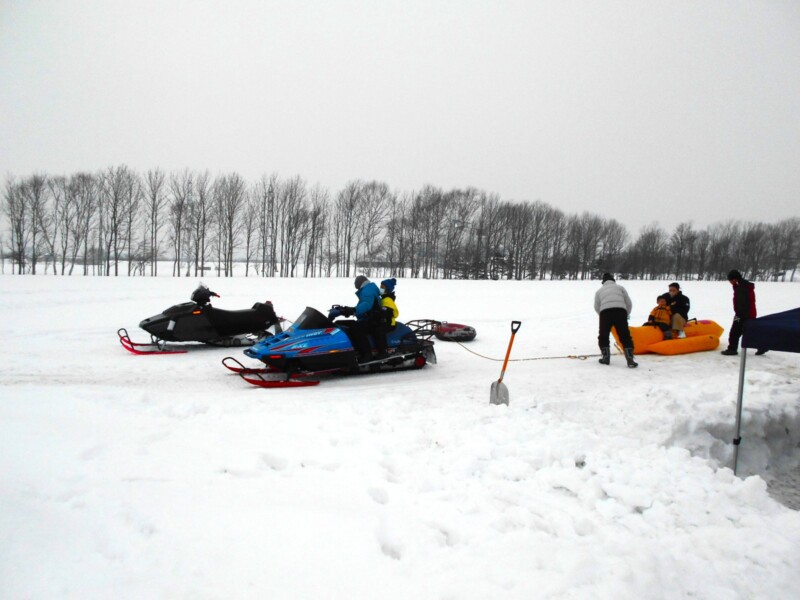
618, 319
737, 328
360, 332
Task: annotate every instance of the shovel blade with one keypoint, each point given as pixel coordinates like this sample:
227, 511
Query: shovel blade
498, 393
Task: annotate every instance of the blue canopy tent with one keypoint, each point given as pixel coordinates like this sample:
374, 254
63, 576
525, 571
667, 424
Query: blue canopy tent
780, 332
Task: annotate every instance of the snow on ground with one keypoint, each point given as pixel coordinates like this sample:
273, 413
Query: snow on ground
168, 477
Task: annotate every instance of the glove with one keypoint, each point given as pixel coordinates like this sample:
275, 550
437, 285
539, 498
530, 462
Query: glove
348, 311
333, 313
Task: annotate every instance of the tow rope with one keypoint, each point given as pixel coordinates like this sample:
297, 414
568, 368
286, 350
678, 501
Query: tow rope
574, 356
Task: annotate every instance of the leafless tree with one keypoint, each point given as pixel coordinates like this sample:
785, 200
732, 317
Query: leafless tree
16, 210
462, 205
375, 205
346, 217
250, 228
84, 191
230, 192
156, 200
68, 219
783, 247
267, 223
132, 204
317, 224
721, 247
615, 236
118, 187
591, 235
34, 188
648, 254
180, 189
396, 232
753, 248
61, 212
679, 243
200, 216
555, 225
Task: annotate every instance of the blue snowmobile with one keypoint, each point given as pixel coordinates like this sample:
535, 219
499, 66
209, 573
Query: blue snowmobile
315, 345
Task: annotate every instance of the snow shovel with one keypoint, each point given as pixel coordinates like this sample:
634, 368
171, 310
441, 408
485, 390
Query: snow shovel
499, 391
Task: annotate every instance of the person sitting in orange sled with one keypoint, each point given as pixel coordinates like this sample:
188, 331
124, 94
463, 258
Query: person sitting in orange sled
661, 316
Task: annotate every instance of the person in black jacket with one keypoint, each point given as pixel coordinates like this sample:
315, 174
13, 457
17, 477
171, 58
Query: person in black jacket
744, 309
679, 305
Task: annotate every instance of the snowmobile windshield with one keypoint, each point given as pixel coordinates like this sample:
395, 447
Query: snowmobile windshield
201, 295
312, 319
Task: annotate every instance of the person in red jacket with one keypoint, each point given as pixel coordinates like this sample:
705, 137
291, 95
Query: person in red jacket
744, 309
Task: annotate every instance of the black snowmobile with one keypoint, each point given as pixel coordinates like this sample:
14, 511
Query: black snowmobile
198, 321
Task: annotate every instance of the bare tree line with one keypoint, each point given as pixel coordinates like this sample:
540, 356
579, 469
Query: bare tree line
100, 223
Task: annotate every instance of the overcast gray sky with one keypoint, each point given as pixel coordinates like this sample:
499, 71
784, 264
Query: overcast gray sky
637, 110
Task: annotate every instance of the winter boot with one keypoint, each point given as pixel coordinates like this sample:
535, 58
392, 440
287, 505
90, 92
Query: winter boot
606, 359
629, 357
730, 352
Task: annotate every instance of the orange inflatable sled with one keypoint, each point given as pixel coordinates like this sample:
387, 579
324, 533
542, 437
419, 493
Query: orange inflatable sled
701, 335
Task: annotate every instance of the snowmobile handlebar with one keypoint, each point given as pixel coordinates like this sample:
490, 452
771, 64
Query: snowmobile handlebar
337, 310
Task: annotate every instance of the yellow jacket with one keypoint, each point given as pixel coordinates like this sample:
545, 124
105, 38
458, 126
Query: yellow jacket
661, 315
389, 303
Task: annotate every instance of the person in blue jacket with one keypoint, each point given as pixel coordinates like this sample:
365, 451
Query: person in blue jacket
369, 298
368, 320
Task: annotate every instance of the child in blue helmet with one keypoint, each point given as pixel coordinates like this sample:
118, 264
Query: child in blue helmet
390, 309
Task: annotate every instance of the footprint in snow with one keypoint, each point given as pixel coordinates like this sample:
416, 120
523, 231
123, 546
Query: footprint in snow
276, 463
378, 494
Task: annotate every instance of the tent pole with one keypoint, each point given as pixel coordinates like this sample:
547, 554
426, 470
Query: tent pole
738, 439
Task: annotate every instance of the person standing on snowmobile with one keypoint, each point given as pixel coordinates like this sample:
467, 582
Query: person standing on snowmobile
744, 309
614, 306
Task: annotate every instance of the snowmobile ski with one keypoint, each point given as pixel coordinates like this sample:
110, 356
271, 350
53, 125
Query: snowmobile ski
265, 382
239, 368
154, 347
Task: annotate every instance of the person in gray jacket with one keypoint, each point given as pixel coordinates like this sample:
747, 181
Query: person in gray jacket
613, 305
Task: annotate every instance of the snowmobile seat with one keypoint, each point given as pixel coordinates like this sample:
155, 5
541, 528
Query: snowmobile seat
249, 320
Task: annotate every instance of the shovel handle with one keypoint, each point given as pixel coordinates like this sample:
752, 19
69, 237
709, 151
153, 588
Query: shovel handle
515, 325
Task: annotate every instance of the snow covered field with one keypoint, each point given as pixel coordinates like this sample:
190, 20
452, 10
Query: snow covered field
168, 477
